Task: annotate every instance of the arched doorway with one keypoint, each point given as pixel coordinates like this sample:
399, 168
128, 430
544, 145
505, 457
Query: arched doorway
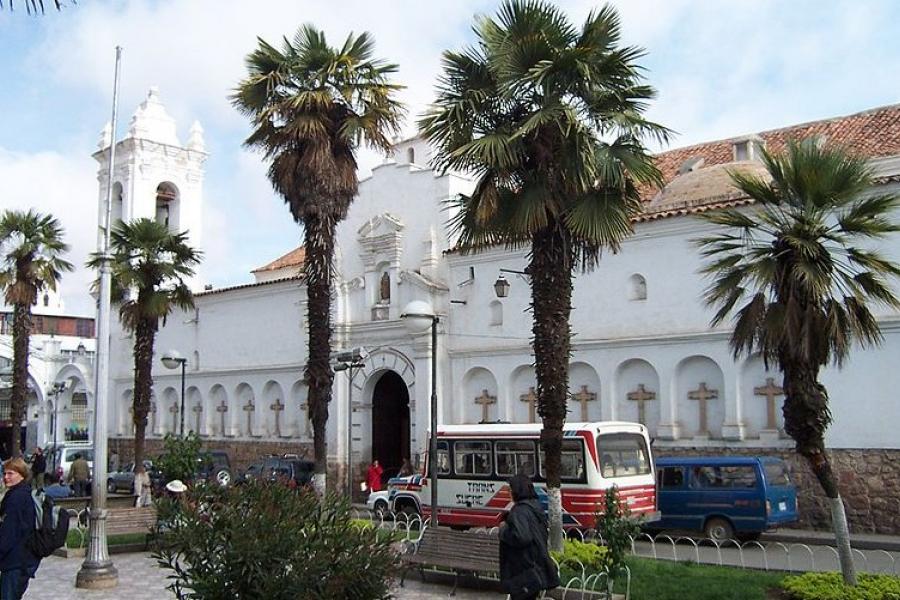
390, 423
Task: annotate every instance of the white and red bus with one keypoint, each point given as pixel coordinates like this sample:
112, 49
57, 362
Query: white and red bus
476, 461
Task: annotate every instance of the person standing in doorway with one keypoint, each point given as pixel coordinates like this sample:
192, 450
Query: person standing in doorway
17, 564
80, 476
38, 468
526, 568
373, 476
406, 469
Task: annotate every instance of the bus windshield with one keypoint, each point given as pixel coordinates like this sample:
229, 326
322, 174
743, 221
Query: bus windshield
622, 455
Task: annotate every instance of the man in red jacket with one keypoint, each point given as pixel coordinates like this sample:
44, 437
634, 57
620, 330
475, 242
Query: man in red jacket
373, 476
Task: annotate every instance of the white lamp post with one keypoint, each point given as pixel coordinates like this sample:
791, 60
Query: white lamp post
172, 360
417, 317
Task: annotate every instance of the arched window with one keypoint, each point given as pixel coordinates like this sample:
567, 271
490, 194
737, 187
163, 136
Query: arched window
637, 287
196, 361
411, 155
46, 300
384, 288
116, 212
496, 310
167, 205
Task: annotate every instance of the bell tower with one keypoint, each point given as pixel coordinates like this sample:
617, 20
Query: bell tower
154, 175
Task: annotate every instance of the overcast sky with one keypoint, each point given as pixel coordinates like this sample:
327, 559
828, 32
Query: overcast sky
722, 68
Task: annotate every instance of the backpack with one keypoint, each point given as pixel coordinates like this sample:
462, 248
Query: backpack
51, 526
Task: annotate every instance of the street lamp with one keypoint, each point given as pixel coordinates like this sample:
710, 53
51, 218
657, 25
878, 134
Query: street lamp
171, 360
57, 388
347, 361
501, 286
417, 317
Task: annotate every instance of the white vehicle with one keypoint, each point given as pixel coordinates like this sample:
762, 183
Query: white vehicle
60, 458
377, 502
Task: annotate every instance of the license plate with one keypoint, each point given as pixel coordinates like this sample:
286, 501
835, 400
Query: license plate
782, 506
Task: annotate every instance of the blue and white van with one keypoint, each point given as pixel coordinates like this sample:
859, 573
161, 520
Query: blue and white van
735, 497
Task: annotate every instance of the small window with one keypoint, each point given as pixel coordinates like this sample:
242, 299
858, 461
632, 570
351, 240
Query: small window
515, 458
622, 455
776, 473
572, 467
46, 300
742, 151
410, 155
637, 287
728, 477
671, 477
496, 310
443, 458
472, 458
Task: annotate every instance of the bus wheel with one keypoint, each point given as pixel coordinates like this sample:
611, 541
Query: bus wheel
718, 530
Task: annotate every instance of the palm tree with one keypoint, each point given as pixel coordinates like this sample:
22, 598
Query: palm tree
548, 117
311, 107
31, 248
799, 273
149, 266
34, 6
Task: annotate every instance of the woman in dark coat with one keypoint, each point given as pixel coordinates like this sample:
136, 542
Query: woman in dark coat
17, 564
525, 564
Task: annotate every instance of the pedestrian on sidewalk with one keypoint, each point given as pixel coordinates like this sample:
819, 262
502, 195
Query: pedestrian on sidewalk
17, 564
373, 476
526, 568
38, 468
80, 476
142, 487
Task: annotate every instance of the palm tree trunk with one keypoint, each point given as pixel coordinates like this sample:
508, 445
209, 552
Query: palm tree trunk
144, 337
319, 243
806, 417
19, 395
551, 288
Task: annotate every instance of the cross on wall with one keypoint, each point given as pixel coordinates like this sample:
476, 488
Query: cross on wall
641, 395
770, 391
485, 400
222, 409
174, 410
249, 408
277, 407
703, 395
198, 410
531, 399
584, 396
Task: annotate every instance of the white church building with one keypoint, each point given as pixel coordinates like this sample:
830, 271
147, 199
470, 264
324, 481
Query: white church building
642, 350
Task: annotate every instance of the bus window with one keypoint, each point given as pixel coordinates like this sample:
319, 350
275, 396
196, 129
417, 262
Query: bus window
472, 458
738, 476
572, 467
443, 458
515, 457
622, 455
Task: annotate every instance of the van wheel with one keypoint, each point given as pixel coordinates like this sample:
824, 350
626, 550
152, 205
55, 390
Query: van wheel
718, 530
111, 486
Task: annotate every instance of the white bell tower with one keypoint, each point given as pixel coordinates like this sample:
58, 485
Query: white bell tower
154, 175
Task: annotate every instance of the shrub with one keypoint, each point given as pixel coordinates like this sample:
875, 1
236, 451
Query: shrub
591, 555
830, 586
262, 540
179, 457
617, 528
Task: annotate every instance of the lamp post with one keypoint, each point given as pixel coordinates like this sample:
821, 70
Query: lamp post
347, 361
171, 360
417, 317
55, 391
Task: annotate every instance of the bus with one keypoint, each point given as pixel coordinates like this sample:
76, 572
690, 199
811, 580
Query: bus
476, 461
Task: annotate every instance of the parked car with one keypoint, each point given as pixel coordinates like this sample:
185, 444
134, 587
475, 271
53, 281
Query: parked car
297, 471
123, 479
725, 497
61, 456
378, 503
215, 465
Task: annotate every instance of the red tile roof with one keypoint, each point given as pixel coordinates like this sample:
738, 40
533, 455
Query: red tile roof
294, 258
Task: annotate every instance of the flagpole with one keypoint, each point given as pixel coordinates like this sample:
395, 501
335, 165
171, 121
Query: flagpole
97, 571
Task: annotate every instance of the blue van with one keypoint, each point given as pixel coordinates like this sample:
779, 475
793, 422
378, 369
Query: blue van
724, 497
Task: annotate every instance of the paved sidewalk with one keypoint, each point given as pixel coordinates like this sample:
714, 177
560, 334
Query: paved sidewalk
863, 541
141, 579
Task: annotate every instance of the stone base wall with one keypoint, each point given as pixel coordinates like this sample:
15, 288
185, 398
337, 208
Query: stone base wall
869, 482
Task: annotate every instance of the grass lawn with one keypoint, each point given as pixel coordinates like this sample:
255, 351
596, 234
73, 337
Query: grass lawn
667, 580
73, 540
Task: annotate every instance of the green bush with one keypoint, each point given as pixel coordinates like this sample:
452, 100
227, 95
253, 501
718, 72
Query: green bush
179, 457
591, 555
617, 528
262, 540
830, 586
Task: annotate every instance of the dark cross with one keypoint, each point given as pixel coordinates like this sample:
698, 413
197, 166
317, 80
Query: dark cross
249, 408
641, 396
770, 391
702, 395
305, 408
531, 399
277, 407
198, 409
222, 409
584, 396
174, 410
485, 400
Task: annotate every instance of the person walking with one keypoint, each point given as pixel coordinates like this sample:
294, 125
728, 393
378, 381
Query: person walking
80, 476
373, 476
526, 568
17, 564
38, 468
142, 486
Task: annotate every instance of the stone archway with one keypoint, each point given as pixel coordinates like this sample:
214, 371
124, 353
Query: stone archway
390, 423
